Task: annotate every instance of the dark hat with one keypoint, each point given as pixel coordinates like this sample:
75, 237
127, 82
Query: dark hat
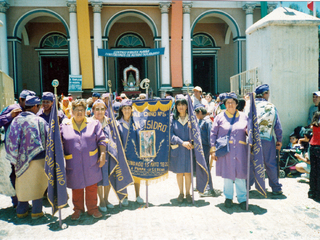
95, 94
47, 96
199, 106
126, 102
230, 96
26, 93
32, 100
116, 106
262, 88
222, 96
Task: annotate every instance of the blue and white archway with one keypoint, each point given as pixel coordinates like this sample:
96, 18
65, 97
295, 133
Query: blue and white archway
233, 27
145, 18
19, 32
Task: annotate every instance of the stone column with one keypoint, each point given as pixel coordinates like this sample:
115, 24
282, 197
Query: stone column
97, 43
165, 58
249, 7
186, 44
3, 38
74, 45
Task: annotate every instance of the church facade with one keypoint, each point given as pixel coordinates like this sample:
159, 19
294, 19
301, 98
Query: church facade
204, 43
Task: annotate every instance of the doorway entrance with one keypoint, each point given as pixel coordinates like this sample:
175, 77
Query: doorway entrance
55, 68
122, 63
204, 73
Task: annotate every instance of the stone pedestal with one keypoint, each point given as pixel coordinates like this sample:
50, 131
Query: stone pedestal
284, 46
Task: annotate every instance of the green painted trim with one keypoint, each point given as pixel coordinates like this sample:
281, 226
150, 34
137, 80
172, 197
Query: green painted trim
264, 9
16, 26
217, 12
147, 17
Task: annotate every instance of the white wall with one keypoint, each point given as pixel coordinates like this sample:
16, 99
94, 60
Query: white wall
286, 54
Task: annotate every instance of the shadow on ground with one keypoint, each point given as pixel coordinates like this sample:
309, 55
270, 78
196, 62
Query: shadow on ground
174, 203
85, 219
9, 215
255, 209
253, 194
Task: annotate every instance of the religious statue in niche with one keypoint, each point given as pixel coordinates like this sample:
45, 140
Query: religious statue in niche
131, 82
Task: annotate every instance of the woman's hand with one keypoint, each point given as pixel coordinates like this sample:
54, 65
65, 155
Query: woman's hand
213, 156
102, 159
187, 145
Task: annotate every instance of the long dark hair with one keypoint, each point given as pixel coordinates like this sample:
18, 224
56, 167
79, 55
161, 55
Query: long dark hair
120, 113
210, 94
175, 111
315, 119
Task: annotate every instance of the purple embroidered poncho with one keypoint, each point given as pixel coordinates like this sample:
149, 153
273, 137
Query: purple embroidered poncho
26, 138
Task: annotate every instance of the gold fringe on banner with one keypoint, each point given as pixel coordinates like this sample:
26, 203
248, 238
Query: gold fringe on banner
152, 108
152, 180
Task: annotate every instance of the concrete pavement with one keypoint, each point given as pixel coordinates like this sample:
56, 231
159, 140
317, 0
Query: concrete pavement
291, 216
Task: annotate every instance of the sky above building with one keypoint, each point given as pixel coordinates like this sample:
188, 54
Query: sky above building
302, 5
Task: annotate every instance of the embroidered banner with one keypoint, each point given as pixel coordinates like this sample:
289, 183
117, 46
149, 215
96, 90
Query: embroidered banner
120, 176
266, 114
54, 165
147, 147
131, 53
256, 153
202, 175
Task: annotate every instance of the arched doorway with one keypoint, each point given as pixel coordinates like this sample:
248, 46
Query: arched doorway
54, 62
205, 62
32, 28
129, 41
137, 27
224, 50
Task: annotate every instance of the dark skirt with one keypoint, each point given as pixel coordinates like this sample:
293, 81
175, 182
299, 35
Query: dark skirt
180, 160
314, 191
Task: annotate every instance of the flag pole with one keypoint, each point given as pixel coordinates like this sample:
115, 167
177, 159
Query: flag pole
191, 155
314, 9
55, 84
147, 187
248, 177
248, 170
110, 103
145, 85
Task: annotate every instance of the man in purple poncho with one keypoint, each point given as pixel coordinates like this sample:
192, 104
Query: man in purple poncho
25, 146
269, 125
47, 102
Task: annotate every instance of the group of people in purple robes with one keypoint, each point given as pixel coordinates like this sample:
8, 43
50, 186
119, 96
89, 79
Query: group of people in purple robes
88, 164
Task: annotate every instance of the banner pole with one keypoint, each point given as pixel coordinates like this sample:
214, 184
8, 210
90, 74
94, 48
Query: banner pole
60, 222
55, 84
110, 103
191, 155
147, 194
248, 171
144, 84
248, 177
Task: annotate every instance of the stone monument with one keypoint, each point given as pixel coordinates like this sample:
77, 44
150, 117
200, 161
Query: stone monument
284, 45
